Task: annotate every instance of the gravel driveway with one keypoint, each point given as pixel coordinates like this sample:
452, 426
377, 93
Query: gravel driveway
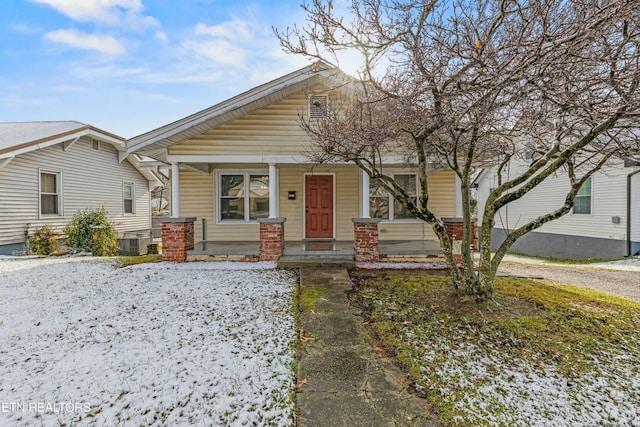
620, 278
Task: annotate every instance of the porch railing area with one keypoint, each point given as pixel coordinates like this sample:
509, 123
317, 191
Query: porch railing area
178, 245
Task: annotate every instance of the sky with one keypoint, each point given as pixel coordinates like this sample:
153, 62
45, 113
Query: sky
130, 66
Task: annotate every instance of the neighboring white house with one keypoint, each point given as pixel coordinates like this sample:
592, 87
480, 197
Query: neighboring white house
50, 170
604, 223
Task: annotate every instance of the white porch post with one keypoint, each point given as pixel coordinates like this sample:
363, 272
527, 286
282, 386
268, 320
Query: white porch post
366, 213
175, 190
458, 197
273, 191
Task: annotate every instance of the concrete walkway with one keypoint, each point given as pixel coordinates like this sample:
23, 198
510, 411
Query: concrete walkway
342, 380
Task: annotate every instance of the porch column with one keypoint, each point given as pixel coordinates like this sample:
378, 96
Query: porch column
271, 238
273, 191
175, 190
177, 238
366, 205
365, 239
458, 182
454, 227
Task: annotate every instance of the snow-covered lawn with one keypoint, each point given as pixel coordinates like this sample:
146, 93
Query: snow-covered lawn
85, 343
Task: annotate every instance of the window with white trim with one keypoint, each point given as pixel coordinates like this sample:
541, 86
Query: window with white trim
582, 202
318, 106
50, 193
382, 205
95, 144
128, 197
235, 203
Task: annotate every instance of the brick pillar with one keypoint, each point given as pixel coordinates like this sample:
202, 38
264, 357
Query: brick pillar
365, 239
177, 238
454, 231
271, 238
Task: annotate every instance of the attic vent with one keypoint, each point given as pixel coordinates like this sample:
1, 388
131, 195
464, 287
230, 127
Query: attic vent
95, 144
318, 106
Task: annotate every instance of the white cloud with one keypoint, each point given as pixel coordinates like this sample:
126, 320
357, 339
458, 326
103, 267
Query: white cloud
111, 12
98, 42
161, 35
25, 28
235, 29
235, 43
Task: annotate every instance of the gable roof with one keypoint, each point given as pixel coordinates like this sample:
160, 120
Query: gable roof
153, 143
21, 137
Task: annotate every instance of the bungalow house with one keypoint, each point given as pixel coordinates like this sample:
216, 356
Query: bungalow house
241, 164
604, 223
50, 170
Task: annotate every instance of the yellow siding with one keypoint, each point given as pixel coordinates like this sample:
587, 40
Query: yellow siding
274, 130
442, 200
197, 199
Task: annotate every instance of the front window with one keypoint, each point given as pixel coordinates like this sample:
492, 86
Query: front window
50, 193
128, 197
582, 202
238, 204
384, 206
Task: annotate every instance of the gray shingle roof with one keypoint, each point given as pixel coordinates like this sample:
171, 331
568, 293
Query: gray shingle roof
18, 133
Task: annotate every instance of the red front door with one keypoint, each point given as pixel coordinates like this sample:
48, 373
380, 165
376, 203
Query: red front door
319, 207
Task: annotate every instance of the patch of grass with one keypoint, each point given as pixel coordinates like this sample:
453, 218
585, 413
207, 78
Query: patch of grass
307, 296
124, 261
433, 333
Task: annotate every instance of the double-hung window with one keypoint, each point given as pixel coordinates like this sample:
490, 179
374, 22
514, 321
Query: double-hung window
128, 197
50, 193
384, 206
582, 202
243, 196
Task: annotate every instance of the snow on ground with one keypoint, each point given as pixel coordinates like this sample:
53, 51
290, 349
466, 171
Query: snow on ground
85, 343
516, 393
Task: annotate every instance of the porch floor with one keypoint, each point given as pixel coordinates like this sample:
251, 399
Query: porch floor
327, 248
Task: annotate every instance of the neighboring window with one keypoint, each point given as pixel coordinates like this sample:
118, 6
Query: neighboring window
95, 144
384, 206
582, 203
50, 193
128, 197
318, 106
237, 204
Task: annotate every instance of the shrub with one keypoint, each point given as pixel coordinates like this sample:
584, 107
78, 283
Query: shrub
91, 231
43, 241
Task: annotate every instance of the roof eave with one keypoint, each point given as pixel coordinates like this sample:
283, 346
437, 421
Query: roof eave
117, 141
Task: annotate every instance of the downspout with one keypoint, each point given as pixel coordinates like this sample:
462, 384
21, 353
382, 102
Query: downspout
629, 211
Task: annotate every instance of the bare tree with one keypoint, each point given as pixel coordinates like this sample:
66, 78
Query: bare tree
466, 84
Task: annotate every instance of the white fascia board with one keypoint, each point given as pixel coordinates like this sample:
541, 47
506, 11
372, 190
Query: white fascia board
236, 159
277, 159
69, 139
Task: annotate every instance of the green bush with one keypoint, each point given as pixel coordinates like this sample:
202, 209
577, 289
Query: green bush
43, 241
91, 231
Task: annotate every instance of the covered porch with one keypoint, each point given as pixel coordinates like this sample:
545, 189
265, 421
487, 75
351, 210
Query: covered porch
343, 250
